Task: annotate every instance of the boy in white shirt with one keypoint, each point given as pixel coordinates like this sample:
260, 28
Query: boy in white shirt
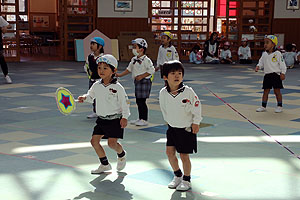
181, 109
244, 52
142, 70
225, 55
112, 108
274, 68
166, 51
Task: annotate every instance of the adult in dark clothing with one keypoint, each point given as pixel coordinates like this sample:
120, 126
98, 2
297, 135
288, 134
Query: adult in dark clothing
3, 29
211, 49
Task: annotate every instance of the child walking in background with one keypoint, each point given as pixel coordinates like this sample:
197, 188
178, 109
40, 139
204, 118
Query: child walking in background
91, 66
142, 70
181, 109
244, 52
290, 56
112, 109
166, 51
274, 69
225, 55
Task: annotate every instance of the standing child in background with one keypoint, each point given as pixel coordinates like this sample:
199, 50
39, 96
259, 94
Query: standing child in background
3, 29
181, 109
194, 56
142, 70
244, 52
112, 109
91, 67
225, 55
166, 51
274, 69
290, 56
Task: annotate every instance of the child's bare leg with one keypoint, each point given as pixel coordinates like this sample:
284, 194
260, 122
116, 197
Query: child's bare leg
95, 141
186, 163
278, 96
115, 145
265, 97
171, 153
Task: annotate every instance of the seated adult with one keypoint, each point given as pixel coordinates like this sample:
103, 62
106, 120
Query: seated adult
211, 49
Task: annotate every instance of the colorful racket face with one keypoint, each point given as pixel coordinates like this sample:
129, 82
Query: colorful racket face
65, 101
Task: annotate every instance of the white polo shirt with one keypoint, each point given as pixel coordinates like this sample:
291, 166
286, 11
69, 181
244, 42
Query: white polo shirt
138, 66
245, 52
225, 54
110, 99
272, 62
181, 110
166, 54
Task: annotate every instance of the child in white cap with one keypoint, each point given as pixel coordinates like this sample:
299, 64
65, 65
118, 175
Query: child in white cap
142, 70
112, 108
244, 52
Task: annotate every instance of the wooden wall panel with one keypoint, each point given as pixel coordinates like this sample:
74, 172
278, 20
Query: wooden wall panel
112, 27
290, 28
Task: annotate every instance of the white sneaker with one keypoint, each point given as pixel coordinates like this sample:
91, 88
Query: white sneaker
101, 169
184, 186
93, 115
141, 122
175, 182
261, 109
134, 121
278, 109
8, 79
121, 163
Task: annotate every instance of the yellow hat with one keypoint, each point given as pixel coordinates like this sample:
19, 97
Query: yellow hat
273, 38
167, 33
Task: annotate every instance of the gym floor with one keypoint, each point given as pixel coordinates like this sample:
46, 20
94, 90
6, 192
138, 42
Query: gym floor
46, 155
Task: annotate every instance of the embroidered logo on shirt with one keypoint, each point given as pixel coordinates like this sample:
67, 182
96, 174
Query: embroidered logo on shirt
197, 103
185, 100
274, 59
112, 90
169, 54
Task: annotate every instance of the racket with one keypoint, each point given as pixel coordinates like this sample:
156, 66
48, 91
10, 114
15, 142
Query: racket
65, 101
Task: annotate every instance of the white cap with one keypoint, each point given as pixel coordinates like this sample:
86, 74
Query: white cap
108, 59
141, 42
244, 39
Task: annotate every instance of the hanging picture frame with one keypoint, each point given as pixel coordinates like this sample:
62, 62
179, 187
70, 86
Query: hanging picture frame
123, 5
292, 4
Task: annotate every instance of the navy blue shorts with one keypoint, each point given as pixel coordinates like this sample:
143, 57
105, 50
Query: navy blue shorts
109, 128
272, 80
182, 140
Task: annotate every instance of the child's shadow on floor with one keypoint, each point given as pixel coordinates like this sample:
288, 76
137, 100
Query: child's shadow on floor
177, 195
107, 187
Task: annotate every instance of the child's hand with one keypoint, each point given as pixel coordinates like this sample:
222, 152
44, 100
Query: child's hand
195, 128
123, 123
282, 76
156, 69
256, 68
81, 99
139, 77
118, 75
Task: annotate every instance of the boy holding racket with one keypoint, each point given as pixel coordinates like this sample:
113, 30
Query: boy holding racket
112, 108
